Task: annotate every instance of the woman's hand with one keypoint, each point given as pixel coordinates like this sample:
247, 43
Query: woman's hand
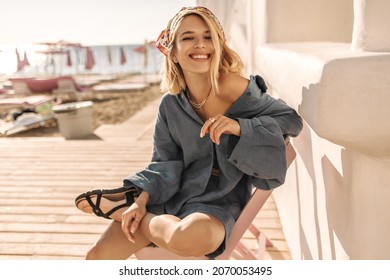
218, 125
132, 217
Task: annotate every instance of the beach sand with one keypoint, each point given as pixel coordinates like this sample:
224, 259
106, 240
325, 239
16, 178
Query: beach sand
108, 108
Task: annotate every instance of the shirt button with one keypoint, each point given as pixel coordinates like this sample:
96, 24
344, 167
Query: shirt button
256, 174
235, 161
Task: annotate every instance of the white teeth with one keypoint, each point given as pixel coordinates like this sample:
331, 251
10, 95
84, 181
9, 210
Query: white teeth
199, 56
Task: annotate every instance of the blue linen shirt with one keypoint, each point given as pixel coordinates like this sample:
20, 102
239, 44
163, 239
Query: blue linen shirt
182, 161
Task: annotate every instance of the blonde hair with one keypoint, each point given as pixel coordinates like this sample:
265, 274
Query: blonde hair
224, 60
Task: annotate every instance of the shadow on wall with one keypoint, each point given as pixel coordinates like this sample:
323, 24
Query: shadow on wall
348, 106
357, 205
353, 200
303, 145
337, 194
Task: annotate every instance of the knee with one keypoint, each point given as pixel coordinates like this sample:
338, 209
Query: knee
192, 240
96, 252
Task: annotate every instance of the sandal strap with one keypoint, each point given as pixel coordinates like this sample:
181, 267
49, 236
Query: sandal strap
95, 207
130, 198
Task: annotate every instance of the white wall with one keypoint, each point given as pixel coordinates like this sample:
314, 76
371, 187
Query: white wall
335, 203
250, 23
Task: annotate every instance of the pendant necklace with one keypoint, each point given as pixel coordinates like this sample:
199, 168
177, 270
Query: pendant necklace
197, 105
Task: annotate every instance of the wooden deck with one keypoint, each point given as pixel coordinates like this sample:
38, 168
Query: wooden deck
40, 177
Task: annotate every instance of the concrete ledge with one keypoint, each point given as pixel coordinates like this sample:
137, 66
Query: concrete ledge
343, 95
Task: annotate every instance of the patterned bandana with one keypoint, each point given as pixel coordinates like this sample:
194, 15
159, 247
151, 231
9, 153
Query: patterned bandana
164, 41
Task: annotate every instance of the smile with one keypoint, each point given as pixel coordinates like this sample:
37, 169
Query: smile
200, 56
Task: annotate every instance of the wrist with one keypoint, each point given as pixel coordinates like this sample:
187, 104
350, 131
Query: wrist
238, 129
143, 198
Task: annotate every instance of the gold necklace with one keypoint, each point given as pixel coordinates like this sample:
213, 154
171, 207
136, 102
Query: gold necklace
197, 105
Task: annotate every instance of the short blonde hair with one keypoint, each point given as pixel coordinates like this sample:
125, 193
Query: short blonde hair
225, 60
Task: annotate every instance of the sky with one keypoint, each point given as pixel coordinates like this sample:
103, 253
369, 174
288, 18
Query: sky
88, 22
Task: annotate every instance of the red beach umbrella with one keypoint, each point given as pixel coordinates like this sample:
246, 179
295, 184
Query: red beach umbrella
21, 63
123, 56
68, 44
18, 61
143, 49
49, 44
25, 60
90, 61
140, 49
68, 59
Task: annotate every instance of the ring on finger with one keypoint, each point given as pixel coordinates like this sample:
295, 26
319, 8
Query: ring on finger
212, 120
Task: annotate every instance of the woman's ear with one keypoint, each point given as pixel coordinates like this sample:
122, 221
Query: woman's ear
174, 58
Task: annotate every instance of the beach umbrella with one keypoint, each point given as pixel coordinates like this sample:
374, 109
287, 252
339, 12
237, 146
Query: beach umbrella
25, 60
139, 49
18, 61
49, 44
143, 49
21, 63
68, 44
68, 58
90, 61
123, 56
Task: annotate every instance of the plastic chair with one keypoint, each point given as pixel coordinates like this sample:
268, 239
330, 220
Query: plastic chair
234, 244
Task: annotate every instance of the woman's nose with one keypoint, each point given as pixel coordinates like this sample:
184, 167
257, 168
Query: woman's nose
200, 43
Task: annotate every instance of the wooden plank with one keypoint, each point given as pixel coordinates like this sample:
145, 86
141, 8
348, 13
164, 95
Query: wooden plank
42, 218
49, 238
277, 255
77, 218
267, 223
270, 233
78, 250
52, 228
39, 257
33, 210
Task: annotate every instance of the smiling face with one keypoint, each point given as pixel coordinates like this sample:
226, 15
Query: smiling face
194, 44
193, 49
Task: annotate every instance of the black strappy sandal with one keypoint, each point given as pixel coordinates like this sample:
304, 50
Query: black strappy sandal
130, 193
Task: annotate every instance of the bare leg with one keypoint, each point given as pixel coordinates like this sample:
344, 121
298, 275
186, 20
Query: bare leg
113, 244
166, 231
196, 235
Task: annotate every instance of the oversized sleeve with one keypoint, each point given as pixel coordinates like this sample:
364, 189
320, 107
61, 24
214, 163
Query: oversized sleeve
260, 151
161, 178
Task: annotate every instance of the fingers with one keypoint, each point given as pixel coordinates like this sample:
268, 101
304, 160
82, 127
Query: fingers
220, 125
130, 224
126, 224
206, 126
217, 130
134, 226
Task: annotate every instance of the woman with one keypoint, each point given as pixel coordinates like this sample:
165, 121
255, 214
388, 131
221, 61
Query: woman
217, 134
